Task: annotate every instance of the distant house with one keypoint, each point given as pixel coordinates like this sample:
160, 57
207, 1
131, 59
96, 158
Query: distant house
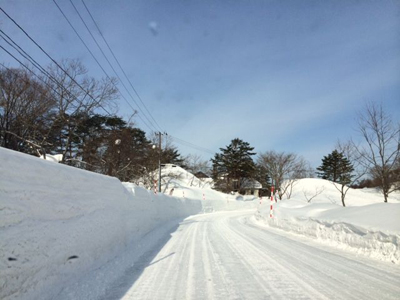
250, 187
201, 175
205, 180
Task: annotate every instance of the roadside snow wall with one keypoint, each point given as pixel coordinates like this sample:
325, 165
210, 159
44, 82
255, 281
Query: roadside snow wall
372, 230
57, 222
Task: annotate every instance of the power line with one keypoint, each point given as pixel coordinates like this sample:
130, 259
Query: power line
178, 140
185, 143
48, 55
98, 63
33, 73
25, 55
112, 52
109, 63
80, 16
123, 71
26, 67
194, 146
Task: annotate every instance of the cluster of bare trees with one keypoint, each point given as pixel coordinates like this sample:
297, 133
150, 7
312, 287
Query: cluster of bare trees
284, 169
375, 157
39, 113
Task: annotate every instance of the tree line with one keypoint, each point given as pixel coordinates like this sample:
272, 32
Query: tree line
75, 115
60, 114
234, 166
374, 161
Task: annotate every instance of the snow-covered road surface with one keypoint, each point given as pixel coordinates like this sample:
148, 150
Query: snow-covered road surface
228, 256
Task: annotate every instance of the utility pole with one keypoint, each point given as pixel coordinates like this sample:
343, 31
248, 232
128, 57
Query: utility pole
159, 162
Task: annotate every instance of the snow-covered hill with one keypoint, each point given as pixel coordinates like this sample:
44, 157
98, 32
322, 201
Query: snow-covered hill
328, 192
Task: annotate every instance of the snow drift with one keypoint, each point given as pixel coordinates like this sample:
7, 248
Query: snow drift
366, 226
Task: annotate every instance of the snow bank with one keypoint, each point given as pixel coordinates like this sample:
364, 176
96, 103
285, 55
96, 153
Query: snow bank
58, 222
185, 185
307, 188
372, 229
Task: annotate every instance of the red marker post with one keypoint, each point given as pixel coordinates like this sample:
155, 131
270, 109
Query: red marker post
272, 202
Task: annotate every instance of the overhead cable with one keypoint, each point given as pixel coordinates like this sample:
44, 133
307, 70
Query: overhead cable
48, 55
101, 67
123, 71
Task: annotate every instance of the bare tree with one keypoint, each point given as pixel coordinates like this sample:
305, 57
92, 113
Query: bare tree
76, 96
25, 105
350, 152
317, 191
284, 170
300, 169
381, 152
194, 164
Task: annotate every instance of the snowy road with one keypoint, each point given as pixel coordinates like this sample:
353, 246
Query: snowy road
227, 256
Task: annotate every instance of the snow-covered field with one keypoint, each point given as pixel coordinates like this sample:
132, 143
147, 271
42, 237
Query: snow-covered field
366, 225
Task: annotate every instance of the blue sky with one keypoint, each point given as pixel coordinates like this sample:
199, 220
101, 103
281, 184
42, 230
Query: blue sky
281, 75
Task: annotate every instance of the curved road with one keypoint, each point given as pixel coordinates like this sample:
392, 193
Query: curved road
227, 256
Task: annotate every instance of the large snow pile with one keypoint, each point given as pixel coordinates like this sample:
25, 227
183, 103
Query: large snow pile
174, 176
366, 225
180, 183
58, 223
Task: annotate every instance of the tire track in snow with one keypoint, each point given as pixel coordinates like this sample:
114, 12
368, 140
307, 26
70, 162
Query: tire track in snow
223, 256
264, 286
207, 263
152, 280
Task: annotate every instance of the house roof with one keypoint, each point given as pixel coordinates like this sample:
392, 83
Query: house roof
249, 183
201, 175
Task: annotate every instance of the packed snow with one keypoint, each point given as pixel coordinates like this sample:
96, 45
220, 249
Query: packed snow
225, 255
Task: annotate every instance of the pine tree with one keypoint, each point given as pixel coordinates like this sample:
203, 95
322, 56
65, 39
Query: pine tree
233, 165
336, 167
171, 155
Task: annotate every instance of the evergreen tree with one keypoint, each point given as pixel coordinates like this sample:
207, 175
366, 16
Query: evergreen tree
233, 165
336, 167
171, 155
